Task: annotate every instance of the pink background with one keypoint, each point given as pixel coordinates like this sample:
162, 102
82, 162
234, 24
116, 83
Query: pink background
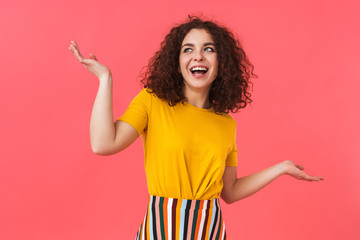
306, 108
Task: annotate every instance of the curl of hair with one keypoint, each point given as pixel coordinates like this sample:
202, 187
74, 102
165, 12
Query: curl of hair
229, 91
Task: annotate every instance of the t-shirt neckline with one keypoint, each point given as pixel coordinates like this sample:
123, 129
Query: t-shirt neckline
186, 104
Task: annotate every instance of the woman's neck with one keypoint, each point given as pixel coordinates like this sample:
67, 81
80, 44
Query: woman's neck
198, 99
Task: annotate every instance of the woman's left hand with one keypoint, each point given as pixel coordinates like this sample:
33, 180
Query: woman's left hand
295, 171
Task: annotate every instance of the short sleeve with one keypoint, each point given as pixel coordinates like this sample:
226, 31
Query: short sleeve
138, 112
231, 160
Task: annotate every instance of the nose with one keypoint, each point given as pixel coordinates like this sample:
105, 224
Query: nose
198, 56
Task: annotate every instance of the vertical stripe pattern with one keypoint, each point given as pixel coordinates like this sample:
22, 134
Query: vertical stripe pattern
182, 219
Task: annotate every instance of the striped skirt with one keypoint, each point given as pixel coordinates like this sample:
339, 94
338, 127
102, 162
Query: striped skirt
182, 219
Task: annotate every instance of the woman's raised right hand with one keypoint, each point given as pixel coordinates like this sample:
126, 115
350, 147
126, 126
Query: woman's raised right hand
91, 64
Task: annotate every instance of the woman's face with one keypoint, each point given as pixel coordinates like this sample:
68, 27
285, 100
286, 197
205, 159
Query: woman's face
198, 60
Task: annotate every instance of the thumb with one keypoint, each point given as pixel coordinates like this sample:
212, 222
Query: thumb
92, 56
300, 167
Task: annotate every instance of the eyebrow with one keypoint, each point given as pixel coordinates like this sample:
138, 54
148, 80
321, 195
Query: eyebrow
191, 45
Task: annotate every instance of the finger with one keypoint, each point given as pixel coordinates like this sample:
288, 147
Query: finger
76, 47
73, 50
309, 179
75, 43
89, 61
300, 167
92, 56
79, 57
314, 178
86, 61
320, 178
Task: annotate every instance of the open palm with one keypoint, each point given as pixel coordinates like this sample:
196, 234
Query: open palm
296, 171
92, 64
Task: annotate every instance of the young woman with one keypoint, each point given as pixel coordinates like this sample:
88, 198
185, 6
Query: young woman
199, 75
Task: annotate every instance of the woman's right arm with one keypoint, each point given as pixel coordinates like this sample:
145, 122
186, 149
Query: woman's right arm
106, 137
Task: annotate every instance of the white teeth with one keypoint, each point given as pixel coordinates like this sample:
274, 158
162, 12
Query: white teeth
198, 69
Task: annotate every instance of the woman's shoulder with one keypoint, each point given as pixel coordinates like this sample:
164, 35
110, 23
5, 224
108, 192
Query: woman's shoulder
228, 119
147, 92
226, 116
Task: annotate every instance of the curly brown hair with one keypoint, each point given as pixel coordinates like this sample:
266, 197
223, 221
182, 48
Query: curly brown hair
228, 92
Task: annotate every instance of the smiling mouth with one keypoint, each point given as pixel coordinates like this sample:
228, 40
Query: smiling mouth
198, 71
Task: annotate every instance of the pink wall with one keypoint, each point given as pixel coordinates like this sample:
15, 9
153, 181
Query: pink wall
306, 108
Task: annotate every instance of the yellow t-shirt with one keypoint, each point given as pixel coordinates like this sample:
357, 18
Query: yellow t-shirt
186, 148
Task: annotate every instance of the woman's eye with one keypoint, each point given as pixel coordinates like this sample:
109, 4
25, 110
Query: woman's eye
209, 49
187, 49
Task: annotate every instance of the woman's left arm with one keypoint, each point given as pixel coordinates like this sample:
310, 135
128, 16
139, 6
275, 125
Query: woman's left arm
235, 189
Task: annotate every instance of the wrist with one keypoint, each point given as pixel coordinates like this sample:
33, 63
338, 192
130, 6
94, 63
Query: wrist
105, 75
106, 78
284, 167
